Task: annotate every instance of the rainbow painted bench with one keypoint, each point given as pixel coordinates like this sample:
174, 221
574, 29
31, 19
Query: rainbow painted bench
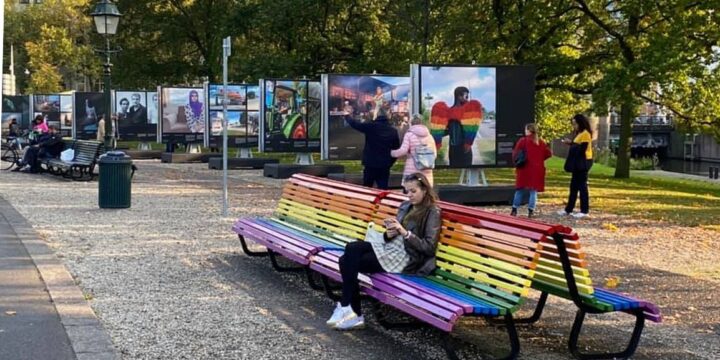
484, 270
487, 262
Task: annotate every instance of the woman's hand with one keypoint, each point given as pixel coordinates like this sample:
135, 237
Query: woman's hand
395, 225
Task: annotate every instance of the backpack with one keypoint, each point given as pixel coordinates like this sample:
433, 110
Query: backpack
424, 157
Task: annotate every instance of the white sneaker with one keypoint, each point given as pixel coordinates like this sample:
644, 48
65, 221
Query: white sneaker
580, 215
562, 213
337, 315
351, 323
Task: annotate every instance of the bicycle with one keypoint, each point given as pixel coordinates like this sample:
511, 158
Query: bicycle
12, 150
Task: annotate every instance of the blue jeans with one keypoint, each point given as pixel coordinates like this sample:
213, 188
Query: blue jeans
519, 193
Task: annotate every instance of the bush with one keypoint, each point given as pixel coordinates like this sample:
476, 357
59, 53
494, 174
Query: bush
607, 157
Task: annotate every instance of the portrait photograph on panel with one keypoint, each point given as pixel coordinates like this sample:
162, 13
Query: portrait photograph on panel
131, 108
182, 111
458, 104
152, 107
46, 103
291, 121
87, 108
364, 98
66, 115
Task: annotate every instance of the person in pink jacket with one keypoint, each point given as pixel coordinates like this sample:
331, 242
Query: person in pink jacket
417, 134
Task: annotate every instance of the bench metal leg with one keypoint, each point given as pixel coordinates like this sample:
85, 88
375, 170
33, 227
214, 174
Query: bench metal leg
280, 268
382, 319
329, 289
538, 311
512, 333
247, 251
629, 350
311, 280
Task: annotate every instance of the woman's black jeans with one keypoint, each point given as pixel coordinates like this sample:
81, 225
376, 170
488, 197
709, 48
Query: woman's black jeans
579, 183
359, 257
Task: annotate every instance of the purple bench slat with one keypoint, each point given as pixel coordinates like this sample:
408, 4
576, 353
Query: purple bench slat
445, 325
274, 244
650, 310
286, 245
291, 240
436, 305
412, 289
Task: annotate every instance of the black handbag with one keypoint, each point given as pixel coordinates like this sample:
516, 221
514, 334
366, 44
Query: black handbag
576, 161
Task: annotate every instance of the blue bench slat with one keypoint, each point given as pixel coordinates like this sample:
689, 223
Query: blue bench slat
326, 245
479, 307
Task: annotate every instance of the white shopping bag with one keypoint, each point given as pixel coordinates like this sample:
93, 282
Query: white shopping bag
67, 155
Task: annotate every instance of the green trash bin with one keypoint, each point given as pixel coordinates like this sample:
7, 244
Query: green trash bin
115, 181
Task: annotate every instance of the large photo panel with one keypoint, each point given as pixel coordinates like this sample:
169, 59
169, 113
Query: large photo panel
133, 116
88, 106
458, 104
361, 97
243, 106
183, 114
18, 108
290, 115
474, 113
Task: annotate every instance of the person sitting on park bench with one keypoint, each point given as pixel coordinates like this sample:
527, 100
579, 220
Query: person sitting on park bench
48, 145
409, 247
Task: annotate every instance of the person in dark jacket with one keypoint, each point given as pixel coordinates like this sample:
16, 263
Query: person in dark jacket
409, 247
48, 145
380, 139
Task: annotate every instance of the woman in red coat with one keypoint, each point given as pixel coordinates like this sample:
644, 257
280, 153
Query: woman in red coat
529, 176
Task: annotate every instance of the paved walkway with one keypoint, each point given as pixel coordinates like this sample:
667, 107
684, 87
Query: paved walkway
43, 314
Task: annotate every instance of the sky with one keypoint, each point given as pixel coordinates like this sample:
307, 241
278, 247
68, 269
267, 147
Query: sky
441, 83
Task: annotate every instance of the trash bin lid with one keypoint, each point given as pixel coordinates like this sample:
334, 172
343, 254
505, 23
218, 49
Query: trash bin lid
115, 157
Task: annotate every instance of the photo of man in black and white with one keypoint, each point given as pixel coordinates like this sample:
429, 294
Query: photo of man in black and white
122, 113
137, 114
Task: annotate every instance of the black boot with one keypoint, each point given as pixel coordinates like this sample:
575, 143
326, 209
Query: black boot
513, 212
530, 213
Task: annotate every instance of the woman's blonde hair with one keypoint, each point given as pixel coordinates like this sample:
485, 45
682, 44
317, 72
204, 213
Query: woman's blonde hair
532, 127
416, 119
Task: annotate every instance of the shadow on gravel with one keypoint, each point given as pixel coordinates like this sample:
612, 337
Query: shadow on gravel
289, 298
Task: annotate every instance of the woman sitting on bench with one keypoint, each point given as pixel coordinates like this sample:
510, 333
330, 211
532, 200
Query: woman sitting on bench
409, 247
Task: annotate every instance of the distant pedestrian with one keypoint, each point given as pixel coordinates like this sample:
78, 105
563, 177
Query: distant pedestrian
578, 163
530, 176
380, 139
416, 138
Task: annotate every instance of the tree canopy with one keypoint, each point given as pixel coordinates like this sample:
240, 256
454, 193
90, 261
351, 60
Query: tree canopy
589, 54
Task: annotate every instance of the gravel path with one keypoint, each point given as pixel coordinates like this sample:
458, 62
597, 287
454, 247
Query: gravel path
168, 280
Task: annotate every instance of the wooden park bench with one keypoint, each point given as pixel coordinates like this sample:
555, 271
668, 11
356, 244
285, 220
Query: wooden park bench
82, 165
484, 270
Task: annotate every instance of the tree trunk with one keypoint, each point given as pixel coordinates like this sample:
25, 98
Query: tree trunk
622, 168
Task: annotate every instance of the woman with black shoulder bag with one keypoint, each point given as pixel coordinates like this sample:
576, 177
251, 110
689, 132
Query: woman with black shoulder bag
578, 163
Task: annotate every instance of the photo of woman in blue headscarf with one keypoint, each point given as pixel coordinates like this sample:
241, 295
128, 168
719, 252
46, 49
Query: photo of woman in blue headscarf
182, 111
194, 113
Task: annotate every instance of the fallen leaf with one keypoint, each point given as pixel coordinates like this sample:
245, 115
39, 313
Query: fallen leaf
10, 313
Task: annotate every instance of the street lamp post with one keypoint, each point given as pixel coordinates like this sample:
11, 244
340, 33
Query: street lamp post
107, 17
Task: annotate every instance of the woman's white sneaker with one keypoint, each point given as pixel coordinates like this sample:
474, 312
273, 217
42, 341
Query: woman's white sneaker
351, 323
580, 215
338, 314
562, 213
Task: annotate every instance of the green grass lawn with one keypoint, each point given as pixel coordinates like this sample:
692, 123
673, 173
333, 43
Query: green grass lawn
675, 201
